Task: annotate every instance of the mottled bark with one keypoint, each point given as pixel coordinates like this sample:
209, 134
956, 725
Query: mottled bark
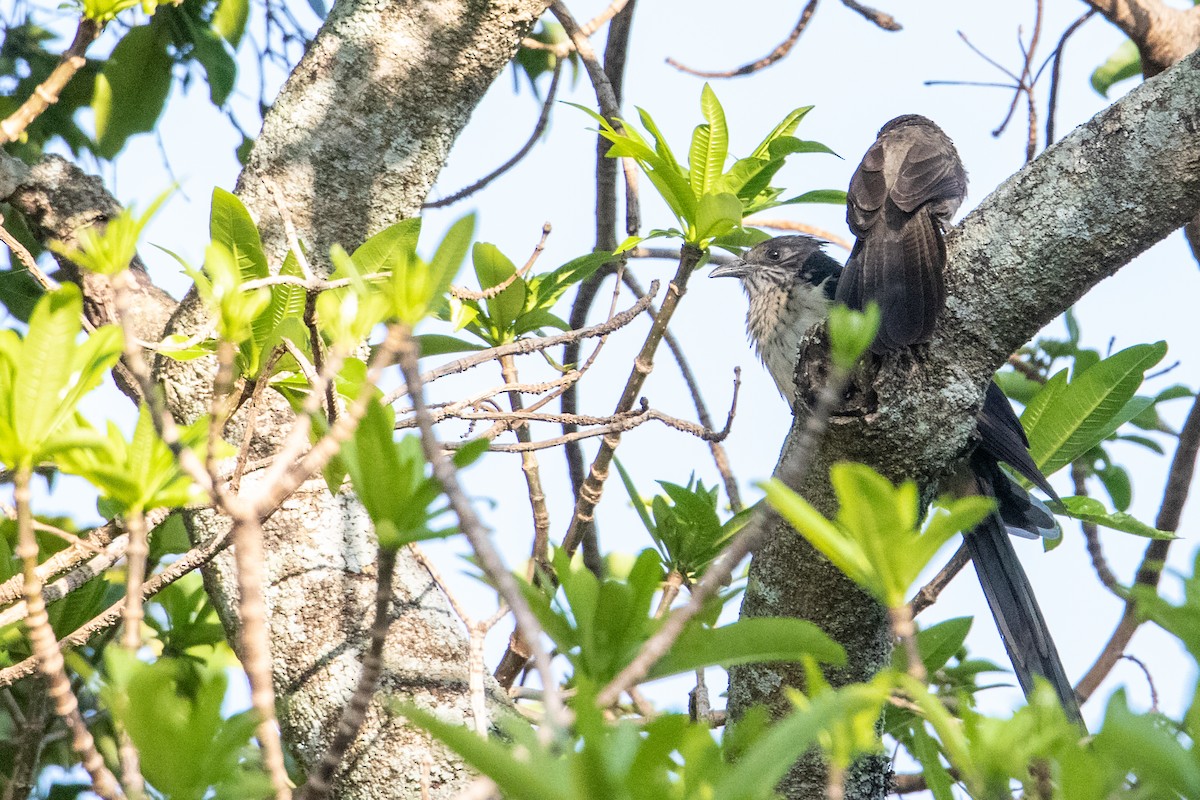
1071, 218
353, 143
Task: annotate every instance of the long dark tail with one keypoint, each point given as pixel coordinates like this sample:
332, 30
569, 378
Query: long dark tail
1016, 612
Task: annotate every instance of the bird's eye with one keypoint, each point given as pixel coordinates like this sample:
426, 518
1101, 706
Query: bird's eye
773, 255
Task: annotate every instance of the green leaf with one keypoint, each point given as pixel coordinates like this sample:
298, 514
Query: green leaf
537, 776
45, 361
785, 146
437, 344
710, 145
132, 88
229, 20
1117, 484
1124, 63
851, 333
1089, 509
1088, 409
230, 225
209, 50
786, 127
938, 643
449, 256
748, 641
759, 769
716, 215
547, 288
493, 268
833, 196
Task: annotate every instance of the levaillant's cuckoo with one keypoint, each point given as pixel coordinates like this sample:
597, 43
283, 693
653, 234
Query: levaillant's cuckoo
791, 285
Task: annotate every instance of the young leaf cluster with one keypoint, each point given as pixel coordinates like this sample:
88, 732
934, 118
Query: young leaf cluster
513, 305
684, 525
877, 539
709, 201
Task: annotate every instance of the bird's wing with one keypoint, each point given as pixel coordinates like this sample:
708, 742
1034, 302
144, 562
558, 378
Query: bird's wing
930, 171
1001, 435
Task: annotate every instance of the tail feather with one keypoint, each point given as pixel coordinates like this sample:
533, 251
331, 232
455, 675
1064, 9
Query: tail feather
1016, 611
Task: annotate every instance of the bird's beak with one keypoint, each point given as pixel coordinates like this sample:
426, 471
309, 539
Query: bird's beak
734, 269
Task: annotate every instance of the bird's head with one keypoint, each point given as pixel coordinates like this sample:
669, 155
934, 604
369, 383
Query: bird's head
781, 264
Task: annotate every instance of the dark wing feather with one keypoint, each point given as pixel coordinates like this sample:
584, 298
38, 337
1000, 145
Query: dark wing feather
1001, 435
1015, 609
930, 172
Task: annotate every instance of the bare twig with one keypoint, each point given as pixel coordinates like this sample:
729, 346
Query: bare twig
539, 128
27, 743
928, 594
197, 556
26, 258
472, 528
1149, 680
902, 626
1056, 70
523, 346
885, 21
47, 92
593, 485
720, 458
801, 227
493, 291
46, 655
1179, 478
603, 87
587, 29
135, 573
1091, 535
477, 630
781, 50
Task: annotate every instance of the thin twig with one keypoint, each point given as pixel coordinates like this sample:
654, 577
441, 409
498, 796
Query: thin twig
493, 291
801, 227
97, 541
47, 657
490, 560
197, 556
539, 128
1149, 680
46, 93
587, 29
720, 458
593, 485
928, 594
534, 345
781, 50
603, 87
1091, 535
1056, 71
26, 258
885, 21
1179, 478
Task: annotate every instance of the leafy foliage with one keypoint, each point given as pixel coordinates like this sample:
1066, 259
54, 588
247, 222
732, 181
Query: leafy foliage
684, 525
708, 201
877, 539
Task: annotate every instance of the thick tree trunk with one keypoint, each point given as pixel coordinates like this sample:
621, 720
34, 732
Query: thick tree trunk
353, 143
1071, 218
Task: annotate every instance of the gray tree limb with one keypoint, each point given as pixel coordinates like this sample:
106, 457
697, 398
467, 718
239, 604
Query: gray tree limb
1069, 219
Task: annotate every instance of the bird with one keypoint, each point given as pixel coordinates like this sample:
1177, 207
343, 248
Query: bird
901, 198
791, 284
